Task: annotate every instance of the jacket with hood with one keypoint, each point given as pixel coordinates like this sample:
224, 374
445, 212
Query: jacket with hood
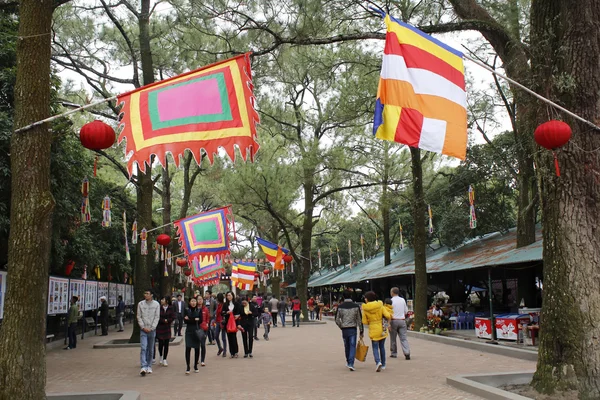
373, 314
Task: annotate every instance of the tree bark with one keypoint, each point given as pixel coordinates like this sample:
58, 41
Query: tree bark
419, 240
566, 64
22, 349
145, 189
306, 241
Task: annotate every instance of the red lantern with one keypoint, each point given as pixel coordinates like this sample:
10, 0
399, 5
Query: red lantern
183, 290
266, 271
182, 262
69, 267
287, 258
257, 275
163, 239
552, 135
97, 135
187, 272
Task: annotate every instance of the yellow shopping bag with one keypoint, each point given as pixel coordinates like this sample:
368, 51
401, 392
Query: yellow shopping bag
361, 350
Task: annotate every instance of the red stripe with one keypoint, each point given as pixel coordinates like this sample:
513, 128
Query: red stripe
418, 58
409, 127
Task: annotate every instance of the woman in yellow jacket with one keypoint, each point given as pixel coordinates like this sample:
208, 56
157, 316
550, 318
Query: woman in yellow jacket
373, 314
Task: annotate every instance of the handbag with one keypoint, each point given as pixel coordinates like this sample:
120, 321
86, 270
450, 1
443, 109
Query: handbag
231, 325
200, 334
361, 350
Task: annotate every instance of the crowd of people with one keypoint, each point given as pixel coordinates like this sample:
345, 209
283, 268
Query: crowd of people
207, 318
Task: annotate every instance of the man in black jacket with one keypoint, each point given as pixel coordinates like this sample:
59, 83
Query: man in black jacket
348, 317
256, 312
104, 315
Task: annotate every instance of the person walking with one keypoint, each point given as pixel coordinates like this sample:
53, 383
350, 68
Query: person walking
220, 331
205, 326
148, 315
231, 309
373, 314
179, 308
398, 325
247, 324
104, 315
296, 310
273, 308
266, 319
311, 308
210, 304
163, 330
256, 312
348, 317
192, 318
282, 310
72, 323
120, 312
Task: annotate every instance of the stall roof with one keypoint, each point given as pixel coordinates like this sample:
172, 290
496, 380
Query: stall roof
490, 250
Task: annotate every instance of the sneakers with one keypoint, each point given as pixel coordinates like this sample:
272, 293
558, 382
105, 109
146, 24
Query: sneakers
383, 367
250, 355
67, 348
407, 357
143, 372
153, 362
378, 367
351, 367
149, 370
394, 356
160, 362
187, 371
245, 355
202, 364
196, 370
165, 364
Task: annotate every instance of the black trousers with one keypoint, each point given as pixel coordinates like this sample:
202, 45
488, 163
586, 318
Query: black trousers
233, 343
274, 316
163, 348
104, 325
247, 339
72, 333
178, 325
188, 353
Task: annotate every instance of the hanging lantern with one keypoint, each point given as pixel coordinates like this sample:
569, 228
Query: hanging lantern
552, 135
69, 267
183, 290
182, 262
187, 272
97, 135
163, 239
267, 271
256, 275
287, 258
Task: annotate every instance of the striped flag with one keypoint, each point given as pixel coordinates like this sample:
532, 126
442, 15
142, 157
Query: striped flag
319, 253
242, 275
421, 99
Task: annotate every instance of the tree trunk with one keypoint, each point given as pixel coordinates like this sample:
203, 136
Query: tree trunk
22, 349
166, 282
420, 240
566, 62
276, 287
305, 242
145, 189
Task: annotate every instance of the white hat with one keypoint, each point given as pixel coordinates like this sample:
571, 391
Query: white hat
103, 298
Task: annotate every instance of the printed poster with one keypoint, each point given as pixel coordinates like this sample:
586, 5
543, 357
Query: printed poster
102, 291
131, 296
120, 292
112, 294
77, 288
91, 295
58, 296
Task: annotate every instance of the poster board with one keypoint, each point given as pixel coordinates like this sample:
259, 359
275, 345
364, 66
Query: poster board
77, 288
3, 275
131, 295
121, 292
102, 290
58, 296
91, 296
112, 294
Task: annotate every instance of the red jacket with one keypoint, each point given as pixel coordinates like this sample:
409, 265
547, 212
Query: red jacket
205, 318
296, 305
219, 317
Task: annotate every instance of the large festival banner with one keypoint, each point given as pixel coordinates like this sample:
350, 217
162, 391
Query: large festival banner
102, 290
77, 288
112, 294
91, 296
58, 296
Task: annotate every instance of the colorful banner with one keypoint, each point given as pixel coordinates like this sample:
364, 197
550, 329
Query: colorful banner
204, 234
242, 275
271, 250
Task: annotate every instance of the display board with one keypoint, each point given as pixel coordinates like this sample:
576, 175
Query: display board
91, 296
121, 291
112, 294
2, 292
102, 290
77, 288
58, 296
131, 298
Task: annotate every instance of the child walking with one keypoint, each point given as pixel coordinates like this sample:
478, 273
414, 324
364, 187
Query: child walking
266, 319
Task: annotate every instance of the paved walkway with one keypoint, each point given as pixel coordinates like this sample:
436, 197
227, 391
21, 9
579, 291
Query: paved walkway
297, 363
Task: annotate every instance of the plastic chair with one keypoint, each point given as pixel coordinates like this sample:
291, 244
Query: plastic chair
462, 320
454, 321
470, 321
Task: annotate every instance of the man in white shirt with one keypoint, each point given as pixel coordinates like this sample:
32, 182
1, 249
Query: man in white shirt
148, 314
398, 324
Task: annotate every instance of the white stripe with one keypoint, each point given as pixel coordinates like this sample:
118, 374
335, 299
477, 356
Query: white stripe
433, 135
422, 81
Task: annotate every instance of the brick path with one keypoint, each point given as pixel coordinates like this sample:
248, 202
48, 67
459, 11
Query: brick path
297, 363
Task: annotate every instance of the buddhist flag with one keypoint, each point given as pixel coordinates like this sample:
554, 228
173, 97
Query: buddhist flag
421, 99
319, 254
271, 251
244, 275
201, 111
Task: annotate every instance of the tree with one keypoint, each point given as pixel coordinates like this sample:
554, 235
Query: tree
31, 211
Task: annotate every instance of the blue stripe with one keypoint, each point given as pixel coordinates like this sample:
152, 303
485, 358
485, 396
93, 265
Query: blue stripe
269, 245
428, 37
378, 120
244, 264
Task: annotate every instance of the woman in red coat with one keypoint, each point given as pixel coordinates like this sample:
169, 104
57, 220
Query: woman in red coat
163, 330
204, 326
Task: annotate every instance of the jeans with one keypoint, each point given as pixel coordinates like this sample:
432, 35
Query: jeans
72, 333
121, 321
221, 336
147, 348
281, 316
379, 351
296, 317
267, 330
398, 328
349, 337
210, 333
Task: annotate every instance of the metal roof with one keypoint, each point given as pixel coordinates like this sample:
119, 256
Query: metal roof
490, 250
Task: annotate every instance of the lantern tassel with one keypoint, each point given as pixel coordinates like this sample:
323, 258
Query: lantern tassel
95, 165
556, 163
